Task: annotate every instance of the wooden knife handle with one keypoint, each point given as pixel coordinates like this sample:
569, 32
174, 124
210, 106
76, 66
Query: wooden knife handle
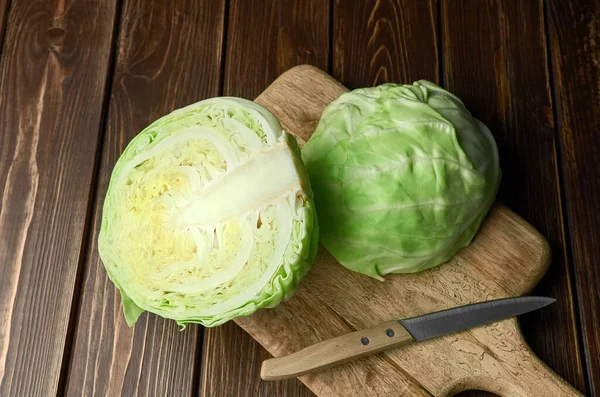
335, 351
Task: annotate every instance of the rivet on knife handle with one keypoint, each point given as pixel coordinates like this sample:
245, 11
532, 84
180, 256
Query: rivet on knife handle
335, 351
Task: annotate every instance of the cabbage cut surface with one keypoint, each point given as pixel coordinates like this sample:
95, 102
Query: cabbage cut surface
209, 215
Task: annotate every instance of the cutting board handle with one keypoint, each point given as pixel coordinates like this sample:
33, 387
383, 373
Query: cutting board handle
534, 378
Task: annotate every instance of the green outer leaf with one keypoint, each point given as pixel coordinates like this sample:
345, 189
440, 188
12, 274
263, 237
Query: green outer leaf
131, 311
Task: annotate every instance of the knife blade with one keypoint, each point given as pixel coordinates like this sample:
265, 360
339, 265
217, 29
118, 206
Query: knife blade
470, 316
341, 349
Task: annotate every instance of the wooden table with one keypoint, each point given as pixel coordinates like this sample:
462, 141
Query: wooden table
78, 79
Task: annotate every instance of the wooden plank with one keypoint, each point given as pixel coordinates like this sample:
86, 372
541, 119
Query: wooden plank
53, 74
264, 39
169, 55
575, 51
494, 59
232, 367
384, 41
268, 37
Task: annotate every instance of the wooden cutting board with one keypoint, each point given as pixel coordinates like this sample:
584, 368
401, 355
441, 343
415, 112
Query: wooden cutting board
507, 258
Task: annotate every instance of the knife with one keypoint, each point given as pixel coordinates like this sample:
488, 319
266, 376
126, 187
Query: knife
335, 351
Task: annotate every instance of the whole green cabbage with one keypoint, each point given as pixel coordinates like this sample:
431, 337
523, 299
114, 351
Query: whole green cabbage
209, 215
403, 177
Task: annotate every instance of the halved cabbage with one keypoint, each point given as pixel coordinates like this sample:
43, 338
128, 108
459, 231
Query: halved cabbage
208, 215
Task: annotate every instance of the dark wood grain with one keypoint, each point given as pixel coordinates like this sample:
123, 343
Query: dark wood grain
3, 14
238, 373
267, 37
505, 83
264, 39
169, 55
575, 50
384, 41
52, 85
